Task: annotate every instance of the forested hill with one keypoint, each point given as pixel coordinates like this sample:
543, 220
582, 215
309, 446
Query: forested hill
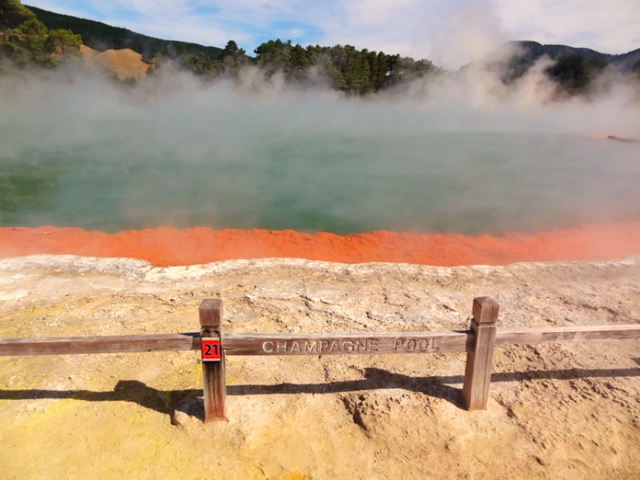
523, 54
573, 71
101, 36
532, 51
343, 67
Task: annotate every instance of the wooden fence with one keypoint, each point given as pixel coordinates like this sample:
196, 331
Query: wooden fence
479, 342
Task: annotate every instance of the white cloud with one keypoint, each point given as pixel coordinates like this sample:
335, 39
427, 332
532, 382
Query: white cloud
295, 33
609, 26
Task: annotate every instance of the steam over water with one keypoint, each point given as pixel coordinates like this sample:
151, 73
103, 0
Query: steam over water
84, 153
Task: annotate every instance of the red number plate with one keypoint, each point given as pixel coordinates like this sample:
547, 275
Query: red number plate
211, 350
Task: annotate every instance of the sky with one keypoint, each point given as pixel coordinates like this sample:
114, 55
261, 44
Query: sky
451, 33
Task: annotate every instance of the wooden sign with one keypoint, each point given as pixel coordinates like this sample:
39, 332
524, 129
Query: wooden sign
211, 350
364, 343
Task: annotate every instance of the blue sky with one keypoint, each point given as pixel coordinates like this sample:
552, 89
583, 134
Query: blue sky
449, 32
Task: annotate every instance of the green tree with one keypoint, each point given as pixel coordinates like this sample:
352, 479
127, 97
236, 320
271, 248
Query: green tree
298, 65
203, 65
29, 40
232, 49
574, 73
63, 44
26, 40
233, 59
345, 68
273, 56
12, 15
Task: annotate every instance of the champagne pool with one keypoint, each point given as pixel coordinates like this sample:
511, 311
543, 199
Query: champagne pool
176, 172
437, 182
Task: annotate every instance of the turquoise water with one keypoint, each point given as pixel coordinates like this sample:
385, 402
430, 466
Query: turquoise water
466, 183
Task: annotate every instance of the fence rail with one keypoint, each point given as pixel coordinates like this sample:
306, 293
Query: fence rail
478, 342
314, 344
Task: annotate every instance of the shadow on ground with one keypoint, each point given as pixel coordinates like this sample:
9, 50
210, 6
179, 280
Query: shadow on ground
169, 402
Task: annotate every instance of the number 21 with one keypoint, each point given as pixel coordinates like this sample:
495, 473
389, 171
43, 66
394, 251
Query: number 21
207, 351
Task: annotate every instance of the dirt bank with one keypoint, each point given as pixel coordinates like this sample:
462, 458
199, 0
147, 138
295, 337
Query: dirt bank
124, 62
168, 246
555, 411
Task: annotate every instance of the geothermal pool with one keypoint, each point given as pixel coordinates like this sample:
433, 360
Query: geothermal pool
463, 183
177, 172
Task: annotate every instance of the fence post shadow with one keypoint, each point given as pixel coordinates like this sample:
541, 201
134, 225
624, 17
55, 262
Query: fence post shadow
190, 402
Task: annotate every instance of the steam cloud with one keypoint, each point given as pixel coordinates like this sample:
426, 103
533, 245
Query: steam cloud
460, 153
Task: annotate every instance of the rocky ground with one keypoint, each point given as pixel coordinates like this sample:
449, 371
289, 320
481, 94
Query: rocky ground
555, 411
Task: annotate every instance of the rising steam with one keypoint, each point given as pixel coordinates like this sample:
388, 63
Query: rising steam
458, 153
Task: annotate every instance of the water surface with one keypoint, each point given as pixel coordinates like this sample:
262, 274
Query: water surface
129, 175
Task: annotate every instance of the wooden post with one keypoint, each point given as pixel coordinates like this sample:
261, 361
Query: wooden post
213, 376
477, 376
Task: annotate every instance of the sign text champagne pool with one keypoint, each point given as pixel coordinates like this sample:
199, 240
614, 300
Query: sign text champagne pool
356, 345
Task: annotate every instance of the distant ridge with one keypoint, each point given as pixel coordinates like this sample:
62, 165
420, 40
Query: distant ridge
626, 62
101, 37
528, 52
